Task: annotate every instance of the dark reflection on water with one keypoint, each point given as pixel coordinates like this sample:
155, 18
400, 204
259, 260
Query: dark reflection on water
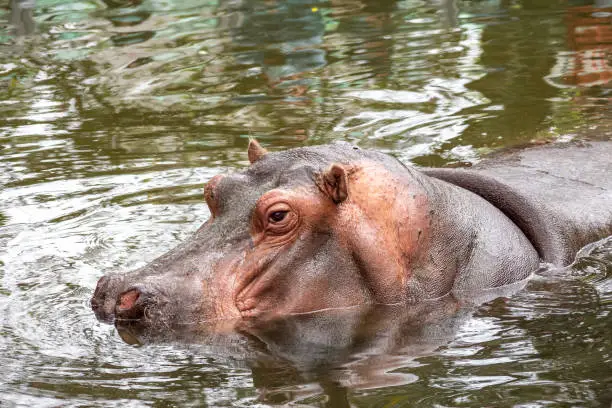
355, 348
114, 113
329, 352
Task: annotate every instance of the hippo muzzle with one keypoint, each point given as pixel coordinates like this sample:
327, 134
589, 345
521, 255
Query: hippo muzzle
137, 299
116, 299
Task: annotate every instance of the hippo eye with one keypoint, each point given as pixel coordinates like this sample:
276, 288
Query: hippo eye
277, 216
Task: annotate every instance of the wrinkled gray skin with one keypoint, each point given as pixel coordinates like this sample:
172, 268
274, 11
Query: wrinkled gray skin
560, 195
465, 231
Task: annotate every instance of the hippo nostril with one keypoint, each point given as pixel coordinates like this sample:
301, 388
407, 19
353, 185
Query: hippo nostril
128, 299
132, 304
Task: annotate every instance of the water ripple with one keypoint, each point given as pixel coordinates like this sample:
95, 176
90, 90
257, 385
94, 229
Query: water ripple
114, 113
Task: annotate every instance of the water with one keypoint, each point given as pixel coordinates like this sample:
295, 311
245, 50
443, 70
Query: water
114, 113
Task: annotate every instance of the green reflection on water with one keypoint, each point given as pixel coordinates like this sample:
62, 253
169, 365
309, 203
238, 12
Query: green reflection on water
114, 113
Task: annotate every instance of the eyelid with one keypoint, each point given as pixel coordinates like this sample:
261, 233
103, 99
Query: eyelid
271, 202
277, 207
275, 233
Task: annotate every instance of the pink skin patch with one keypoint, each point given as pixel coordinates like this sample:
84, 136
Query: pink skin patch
128, 299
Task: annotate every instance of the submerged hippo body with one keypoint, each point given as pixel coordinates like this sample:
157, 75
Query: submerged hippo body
335, 226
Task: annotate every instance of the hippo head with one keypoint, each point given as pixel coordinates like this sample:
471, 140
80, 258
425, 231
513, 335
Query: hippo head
301, 230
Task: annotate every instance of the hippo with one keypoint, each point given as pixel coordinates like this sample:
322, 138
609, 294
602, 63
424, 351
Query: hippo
336, 226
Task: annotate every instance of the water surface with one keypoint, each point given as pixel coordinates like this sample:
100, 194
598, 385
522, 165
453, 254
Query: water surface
113, 114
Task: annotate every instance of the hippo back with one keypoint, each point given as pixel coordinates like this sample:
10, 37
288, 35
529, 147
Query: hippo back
559, 195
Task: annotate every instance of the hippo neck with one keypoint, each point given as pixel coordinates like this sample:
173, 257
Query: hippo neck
473, 244
430, 237
551, 223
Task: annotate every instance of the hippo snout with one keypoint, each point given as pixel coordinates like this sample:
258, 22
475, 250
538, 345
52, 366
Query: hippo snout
145, 298
113, 300
104, 299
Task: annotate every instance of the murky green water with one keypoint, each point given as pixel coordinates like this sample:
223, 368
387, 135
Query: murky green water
113, 114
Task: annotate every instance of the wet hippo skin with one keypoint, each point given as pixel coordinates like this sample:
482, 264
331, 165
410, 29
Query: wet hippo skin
559, 195
335, 226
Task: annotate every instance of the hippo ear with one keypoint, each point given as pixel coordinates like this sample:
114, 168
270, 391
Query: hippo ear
255, 151
334, 183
